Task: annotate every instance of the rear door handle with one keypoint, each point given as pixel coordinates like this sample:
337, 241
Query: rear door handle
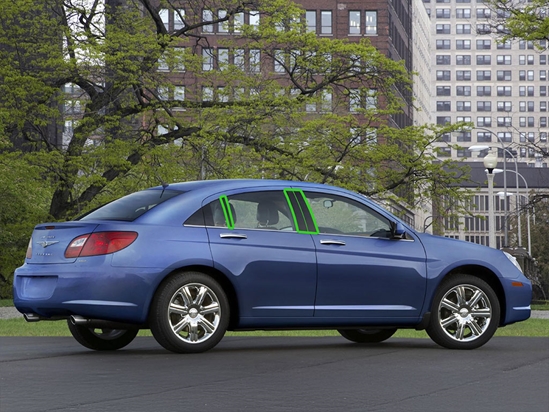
232, 236
332, 242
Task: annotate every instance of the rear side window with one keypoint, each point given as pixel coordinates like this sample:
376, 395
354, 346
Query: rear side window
129, 208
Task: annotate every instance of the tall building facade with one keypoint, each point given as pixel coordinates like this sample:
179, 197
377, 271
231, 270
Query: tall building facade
501, 87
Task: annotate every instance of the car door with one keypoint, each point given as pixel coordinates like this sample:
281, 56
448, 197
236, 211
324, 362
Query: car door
362, 271
253, 239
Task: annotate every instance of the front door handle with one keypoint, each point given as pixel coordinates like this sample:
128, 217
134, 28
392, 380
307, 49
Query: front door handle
232, 236
332, 242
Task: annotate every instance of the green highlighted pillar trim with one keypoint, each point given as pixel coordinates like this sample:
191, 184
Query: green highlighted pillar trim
301, 211
229, 219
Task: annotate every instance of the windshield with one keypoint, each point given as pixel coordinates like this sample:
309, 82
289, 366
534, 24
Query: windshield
130, 207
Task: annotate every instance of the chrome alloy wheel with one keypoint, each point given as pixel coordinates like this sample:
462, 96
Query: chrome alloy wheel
194, 313
465, 313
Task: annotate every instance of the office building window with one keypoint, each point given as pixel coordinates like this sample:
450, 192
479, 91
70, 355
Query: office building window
484, 75
354, 22
207, 15
463, 60
444, 106
463, 44
443, 59
503, 60
371, 22
254, 17
463, 29
483, 13
484, 90
165, 17
207, 59
483, 137
504, 75
484, 121
444, 75
506, 45
484, 59
310, 17
443, 28
443, 44
325, 22
255, 60
504, 106
222, 26
463, 75
443, 13
464, 137
484, 106
178, 19
443, 91
504, 90
504, 121
484, 44
463, 90
483, 29
463, 106
463, 13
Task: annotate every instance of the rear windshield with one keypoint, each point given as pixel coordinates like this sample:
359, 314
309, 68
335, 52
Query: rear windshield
130, 207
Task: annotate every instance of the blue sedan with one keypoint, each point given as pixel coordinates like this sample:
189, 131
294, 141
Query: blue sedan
190, 261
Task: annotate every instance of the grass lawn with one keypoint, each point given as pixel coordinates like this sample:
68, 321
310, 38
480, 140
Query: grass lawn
19, 327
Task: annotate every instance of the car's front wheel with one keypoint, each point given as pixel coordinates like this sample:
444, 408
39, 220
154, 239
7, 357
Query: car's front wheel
367, 335
189, 313
101, 338
465, 313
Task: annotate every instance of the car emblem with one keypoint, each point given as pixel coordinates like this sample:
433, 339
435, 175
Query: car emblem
47, 243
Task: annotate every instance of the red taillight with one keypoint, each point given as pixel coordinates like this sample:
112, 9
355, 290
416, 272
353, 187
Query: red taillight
29, 249
100, 243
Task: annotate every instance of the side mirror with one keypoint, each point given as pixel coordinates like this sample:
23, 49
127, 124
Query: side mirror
398, 231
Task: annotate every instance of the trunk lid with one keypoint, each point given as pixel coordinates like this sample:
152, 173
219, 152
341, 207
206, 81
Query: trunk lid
50, 240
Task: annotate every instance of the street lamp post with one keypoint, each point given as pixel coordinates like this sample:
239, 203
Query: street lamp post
505, 229
527, 213
490, 162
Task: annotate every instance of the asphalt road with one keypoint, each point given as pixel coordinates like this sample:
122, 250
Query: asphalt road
275, 374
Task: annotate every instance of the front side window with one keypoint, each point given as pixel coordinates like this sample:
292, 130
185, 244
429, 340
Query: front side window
339, 215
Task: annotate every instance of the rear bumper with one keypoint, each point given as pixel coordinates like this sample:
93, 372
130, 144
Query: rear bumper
57, 291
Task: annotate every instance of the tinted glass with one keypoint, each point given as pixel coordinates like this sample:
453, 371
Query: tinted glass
336, 214
130, 207
252, 210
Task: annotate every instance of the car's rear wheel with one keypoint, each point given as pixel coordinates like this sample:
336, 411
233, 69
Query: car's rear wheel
367, 335
189, 313
465, 313
101, 338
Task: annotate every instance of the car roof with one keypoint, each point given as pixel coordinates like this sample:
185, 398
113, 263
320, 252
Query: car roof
228, 184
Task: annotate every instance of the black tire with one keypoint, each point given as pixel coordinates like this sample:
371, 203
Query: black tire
367, 335
465, 313
102, 339
189, 313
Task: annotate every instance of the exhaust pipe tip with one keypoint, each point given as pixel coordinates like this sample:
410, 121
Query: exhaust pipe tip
78, 320
31, 317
